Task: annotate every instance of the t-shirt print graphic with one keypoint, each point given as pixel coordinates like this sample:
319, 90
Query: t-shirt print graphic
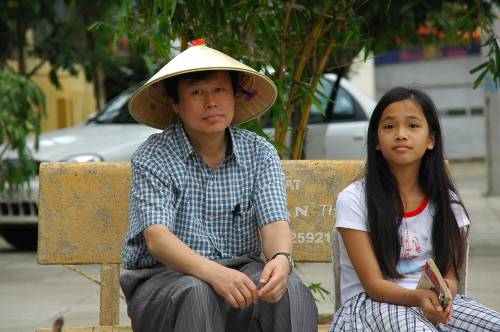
410, 250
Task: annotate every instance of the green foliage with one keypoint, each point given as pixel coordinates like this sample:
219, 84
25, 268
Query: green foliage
492, 43
316, 288
60, 35
290, 40
438, 23
22, 104
47, 32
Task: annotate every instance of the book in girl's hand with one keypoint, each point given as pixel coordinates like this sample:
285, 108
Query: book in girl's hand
432, 279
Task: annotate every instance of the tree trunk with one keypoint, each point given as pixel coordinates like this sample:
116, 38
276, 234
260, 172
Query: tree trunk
493, 138
302, 128
21, 42
97, 76
311, 41
492, 117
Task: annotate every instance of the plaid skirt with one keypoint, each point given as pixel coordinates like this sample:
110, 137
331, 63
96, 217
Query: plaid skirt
360, 313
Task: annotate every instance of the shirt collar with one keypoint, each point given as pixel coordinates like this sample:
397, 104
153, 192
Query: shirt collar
238, 154
186, 149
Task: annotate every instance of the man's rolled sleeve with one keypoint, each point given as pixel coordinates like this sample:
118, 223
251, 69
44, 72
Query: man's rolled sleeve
270, 195
151, 200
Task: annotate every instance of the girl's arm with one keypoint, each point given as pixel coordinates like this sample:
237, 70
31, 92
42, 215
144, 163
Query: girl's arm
451, 276
360, 250
452, 281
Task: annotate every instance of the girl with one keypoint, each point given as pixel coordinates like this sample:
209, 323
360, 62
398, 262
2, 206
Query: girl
404, 211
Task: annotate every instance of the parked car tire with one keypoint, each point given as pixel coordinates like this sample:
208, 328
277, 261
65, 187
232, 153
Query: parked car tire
22, 237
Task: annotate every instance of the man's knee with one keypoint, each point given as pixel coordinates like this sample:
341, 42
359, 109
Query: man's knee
295, 281
296, 287
197, 290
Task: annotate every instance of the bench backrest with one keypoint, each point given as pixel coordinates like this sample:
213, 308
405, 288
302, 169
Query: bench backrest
83, 216
83, 209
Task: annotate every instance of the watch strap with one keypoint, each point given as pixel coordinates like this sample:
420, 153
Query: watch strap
288, 257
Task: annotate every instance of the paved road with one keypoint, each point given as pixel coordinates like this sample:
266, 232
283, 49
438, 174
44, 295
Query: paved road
33, 296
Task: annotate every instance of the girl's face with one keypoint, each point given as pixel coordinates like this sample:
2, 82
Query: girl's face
403, 134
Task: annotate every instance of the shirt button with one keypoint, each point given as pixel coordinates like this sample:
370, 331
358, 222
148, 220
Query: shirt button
210, 183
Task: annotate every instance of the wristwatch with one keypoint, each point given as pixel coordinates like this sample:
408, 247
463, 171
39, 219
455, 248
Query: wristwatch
288, 256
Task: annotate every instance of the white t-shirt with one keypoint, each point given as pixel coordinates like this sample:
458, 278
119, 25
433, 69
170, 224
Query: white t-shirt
415, 232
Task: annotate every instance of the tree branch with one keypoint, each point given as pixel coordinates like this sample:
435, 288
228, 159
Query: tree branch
9, 67
5, 148
304, 119
281, 68
35, 69
306, 51
281, 73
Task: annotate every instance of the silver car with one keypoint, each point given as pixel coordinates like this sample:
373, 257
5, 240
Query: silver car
113, 135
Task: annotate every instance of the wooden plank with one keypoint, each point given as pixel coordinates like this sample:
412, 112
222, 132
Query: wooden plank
336, 269
312, 189
321, 328
83, 212
91, 329
109, 295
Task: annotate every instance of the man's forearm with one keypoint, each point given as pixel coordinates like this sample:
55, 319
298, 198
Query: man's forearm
276, 237
170, 250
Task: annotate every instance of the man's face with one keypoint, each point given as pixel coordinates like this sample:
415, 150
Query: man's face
206, 107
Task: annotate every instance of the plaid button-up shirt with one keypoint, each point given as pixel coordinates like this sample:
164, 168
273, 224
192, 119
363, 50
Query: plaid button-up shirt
216, 212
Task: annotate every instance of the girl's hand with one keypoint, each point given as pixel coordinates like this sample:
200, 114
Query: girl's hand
432, 309
449, 311
452, 285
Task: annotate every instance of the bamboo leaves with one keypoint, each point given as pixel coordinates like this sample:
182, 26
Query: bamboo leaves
22, 104
297, 41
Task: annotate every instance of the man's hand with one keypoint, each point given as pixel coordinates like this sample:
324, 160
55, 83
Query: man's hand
432, 309
235, 286
274, 279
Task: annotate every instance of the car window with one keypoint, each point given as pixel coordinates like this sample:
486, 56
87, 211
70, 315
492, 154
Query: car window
323, 93
116, 111
345, 107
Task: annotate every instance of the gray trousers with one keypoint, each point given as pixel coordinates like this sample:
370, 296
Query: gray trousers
161, 299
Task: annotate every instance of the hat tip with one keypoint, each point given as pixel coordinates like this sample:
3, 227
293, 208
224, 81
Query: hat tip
197, 42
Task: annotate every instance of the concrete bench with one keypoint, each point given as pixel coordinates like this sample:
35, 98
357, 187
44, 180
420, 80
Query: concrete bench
83, 216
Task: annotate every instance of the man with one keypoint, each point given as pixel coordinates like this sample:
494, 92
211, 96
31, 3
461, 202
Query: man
206, 200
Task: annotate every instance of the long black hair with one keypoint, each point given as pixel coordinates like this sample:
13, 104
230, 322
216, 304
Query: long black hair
383, 200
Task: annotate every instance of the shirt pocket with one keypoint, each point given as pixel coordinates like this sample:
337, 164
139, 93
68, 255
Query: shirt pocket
220, 233
245, 232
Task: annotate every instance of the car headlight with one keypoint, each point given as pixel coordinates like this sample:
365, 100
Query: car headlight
83, 158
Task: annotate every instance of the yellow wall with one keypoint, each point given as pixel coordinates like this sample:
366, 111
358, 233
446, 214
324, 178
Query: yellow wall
68, 106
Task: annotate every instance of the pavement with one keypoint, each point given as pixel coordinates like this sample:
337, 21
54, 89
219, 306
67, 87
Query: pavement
33, 295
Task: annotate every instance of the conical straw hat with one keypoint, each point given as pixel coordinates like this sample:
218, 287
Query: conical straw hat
152, 105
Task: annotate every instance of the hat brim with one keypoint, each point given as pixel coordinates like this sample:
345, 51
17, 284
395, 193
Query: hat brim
152, 105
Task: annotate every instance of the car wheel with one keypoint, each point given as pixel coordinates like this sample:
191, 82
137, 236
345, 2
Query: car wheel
22, 237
